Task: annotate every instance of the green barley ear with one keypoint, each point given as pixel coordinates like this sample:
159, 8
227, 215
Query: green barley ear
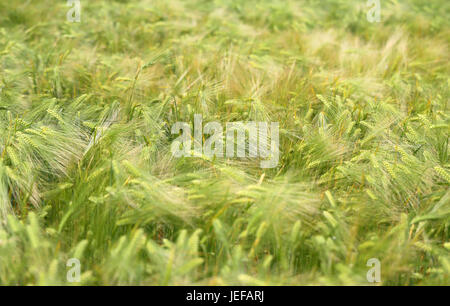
443, 173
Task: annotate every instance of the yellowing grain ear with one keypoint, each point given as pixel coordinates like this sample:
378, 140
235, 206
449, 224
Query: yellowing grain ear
330, 198
193, 242
80, 248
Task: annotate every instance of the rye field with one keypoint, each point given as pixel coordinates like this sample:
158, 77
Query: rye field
92, 194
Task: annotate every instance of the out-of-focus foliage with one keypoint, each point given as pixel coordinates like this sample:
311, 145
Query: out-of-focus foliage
85, 164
